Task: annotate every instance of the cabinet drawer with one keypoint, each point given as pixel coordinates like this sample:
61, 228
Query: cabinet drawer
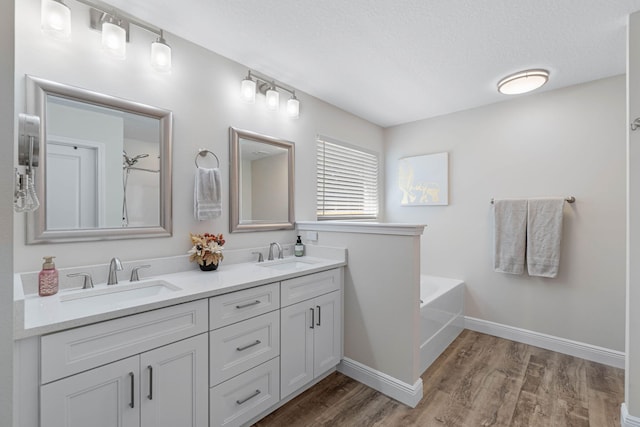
240, 399
75, 350
307, 287
241, 346
237, 306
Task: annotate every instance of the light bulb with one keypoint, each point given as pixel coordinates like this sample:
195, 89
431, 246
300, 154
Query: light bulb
248, 90
273, 99
161, 56
293, 107
114, 40
55, 19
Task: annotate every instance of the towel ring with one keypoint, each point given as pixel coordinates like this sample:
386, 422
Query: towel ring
203, 152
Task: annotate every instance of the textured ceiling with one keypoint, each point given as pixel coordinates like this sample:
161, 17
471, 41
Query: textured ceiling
396, 61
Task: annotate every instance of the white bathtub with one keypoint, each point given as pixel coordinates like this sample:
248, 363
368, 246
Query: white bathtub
441, 316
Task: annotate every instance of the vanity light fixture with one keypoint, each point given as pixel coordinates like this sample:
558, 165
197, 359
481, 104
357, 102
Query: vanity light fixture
248, 90
523, 82
255, 83
55, 19
273, 98
161, 54
293, 107
114, 38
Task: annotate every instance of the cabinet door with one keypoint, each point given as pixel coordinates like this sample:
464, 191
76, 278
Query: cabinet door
296, 347
327, 347
175, 385
107, 396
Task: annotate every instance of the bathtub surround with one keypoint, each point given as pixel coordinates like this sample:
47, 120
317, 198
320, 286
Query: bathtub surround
564, 142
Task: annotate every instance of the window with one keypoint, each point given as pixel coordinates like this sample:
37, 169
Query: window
347, 179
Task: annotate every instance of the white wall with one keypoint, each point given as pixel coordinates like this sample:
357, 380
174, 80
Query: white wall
7, 121
632, 368
203, 93
566, 142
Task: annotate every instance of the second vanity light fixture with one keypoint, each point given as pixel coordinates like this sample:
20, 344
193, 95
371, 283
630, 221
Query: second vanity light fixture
55, 18
254, 83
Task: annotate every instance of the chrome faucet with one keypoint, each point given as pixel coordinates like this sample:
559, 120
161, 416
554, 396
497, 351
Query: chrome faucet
114, 266
270, 257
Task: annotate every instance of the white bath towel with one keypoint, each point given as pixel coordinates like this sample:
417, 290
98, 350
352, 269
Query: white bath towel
510, 233
544, 230
207, 202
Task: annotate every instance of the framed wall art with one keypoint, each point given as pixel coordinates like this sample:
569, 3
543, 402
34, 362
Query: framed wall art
424, 180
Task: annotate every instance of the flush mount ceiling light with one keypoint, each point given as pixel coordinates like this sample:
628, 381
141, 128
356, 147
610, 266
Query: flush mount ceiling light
255, 83
55, 19
523, 82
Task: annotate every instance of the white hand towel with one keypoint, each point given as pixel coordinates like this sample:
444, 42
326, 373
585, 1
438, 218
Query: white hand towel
510, 233
206, 199
544, 230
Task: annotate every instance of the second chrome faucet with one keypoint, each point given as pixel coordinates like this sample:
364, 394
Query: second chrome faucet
114, 266
280, 254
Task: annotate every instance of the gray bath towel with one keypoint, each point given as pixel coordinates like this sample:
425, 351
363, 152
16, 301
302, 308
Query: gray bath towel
544, 230
510, 230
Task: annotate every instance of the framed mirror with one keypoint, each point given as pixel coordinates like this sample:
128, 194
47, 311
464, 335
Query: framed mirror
105, 166
261, 182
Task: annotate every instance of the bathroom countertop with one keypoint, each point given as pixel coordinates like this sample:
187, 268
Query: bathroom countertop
37, 315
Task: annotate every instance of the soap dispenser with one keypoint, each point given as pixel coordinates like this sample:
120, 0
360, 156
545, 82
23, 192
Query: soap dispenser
298, 249
48, 278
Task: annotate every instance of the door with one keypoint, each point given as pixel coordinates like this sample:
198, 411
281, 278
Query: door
296, 347
327, 333
175, 384
107, 396
72, 186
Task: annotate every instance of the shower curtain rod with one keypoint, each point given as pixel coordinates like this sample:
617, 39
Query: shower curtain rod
569, 199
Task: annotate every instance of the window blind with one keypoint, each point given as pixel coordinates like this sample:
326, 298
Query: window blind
347, 182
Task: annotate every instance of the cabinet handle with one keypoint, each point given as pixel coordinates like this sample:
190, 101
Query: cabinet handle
254, 394
243, 348
132, 378
319, 314
150, 395
249, 304
313, 317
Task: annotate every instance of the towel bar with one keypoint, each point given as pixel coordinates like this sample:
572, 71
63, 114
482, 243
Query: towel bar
203, 152
569, 199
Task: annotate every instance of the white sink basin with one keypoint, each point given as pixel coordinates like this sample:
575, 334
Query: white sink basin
114, 294
288, 264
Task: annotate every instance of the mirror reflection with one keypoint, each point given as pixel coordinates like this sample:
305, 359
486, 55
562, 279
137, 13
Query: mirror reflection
106, 172
261, 182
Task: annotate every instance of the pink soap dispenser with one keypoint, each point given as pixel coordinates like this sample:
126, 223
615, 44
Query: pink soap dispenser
48, 278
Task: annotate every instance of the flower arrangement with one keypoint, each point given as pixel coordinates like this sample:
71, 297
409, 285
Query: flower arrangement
207, 248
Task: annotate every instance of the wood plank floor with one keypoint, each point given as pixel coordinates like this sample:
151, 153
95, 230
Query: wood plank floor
480, 380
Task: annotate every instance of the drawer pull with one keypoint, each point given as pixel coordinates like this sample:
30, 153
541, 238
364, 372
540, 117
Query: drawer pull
313, 317
319, 314
253, 344
132, 402
150, 395
249, 304
254, 394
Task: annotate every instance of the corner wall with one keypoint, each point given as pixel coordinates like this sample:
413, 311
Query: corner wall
565, 142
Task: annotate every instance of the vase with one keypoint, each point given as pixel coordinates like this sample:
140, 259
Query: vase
208, 267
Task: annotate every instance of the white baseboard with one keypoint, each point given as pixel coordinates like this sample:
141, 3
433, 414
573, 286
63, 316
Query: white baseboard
627, 420
561, 345
405, 393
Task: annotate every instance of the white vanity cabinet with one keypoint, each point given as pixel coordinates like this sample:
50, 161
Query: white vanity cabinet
165, 385
311, 330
